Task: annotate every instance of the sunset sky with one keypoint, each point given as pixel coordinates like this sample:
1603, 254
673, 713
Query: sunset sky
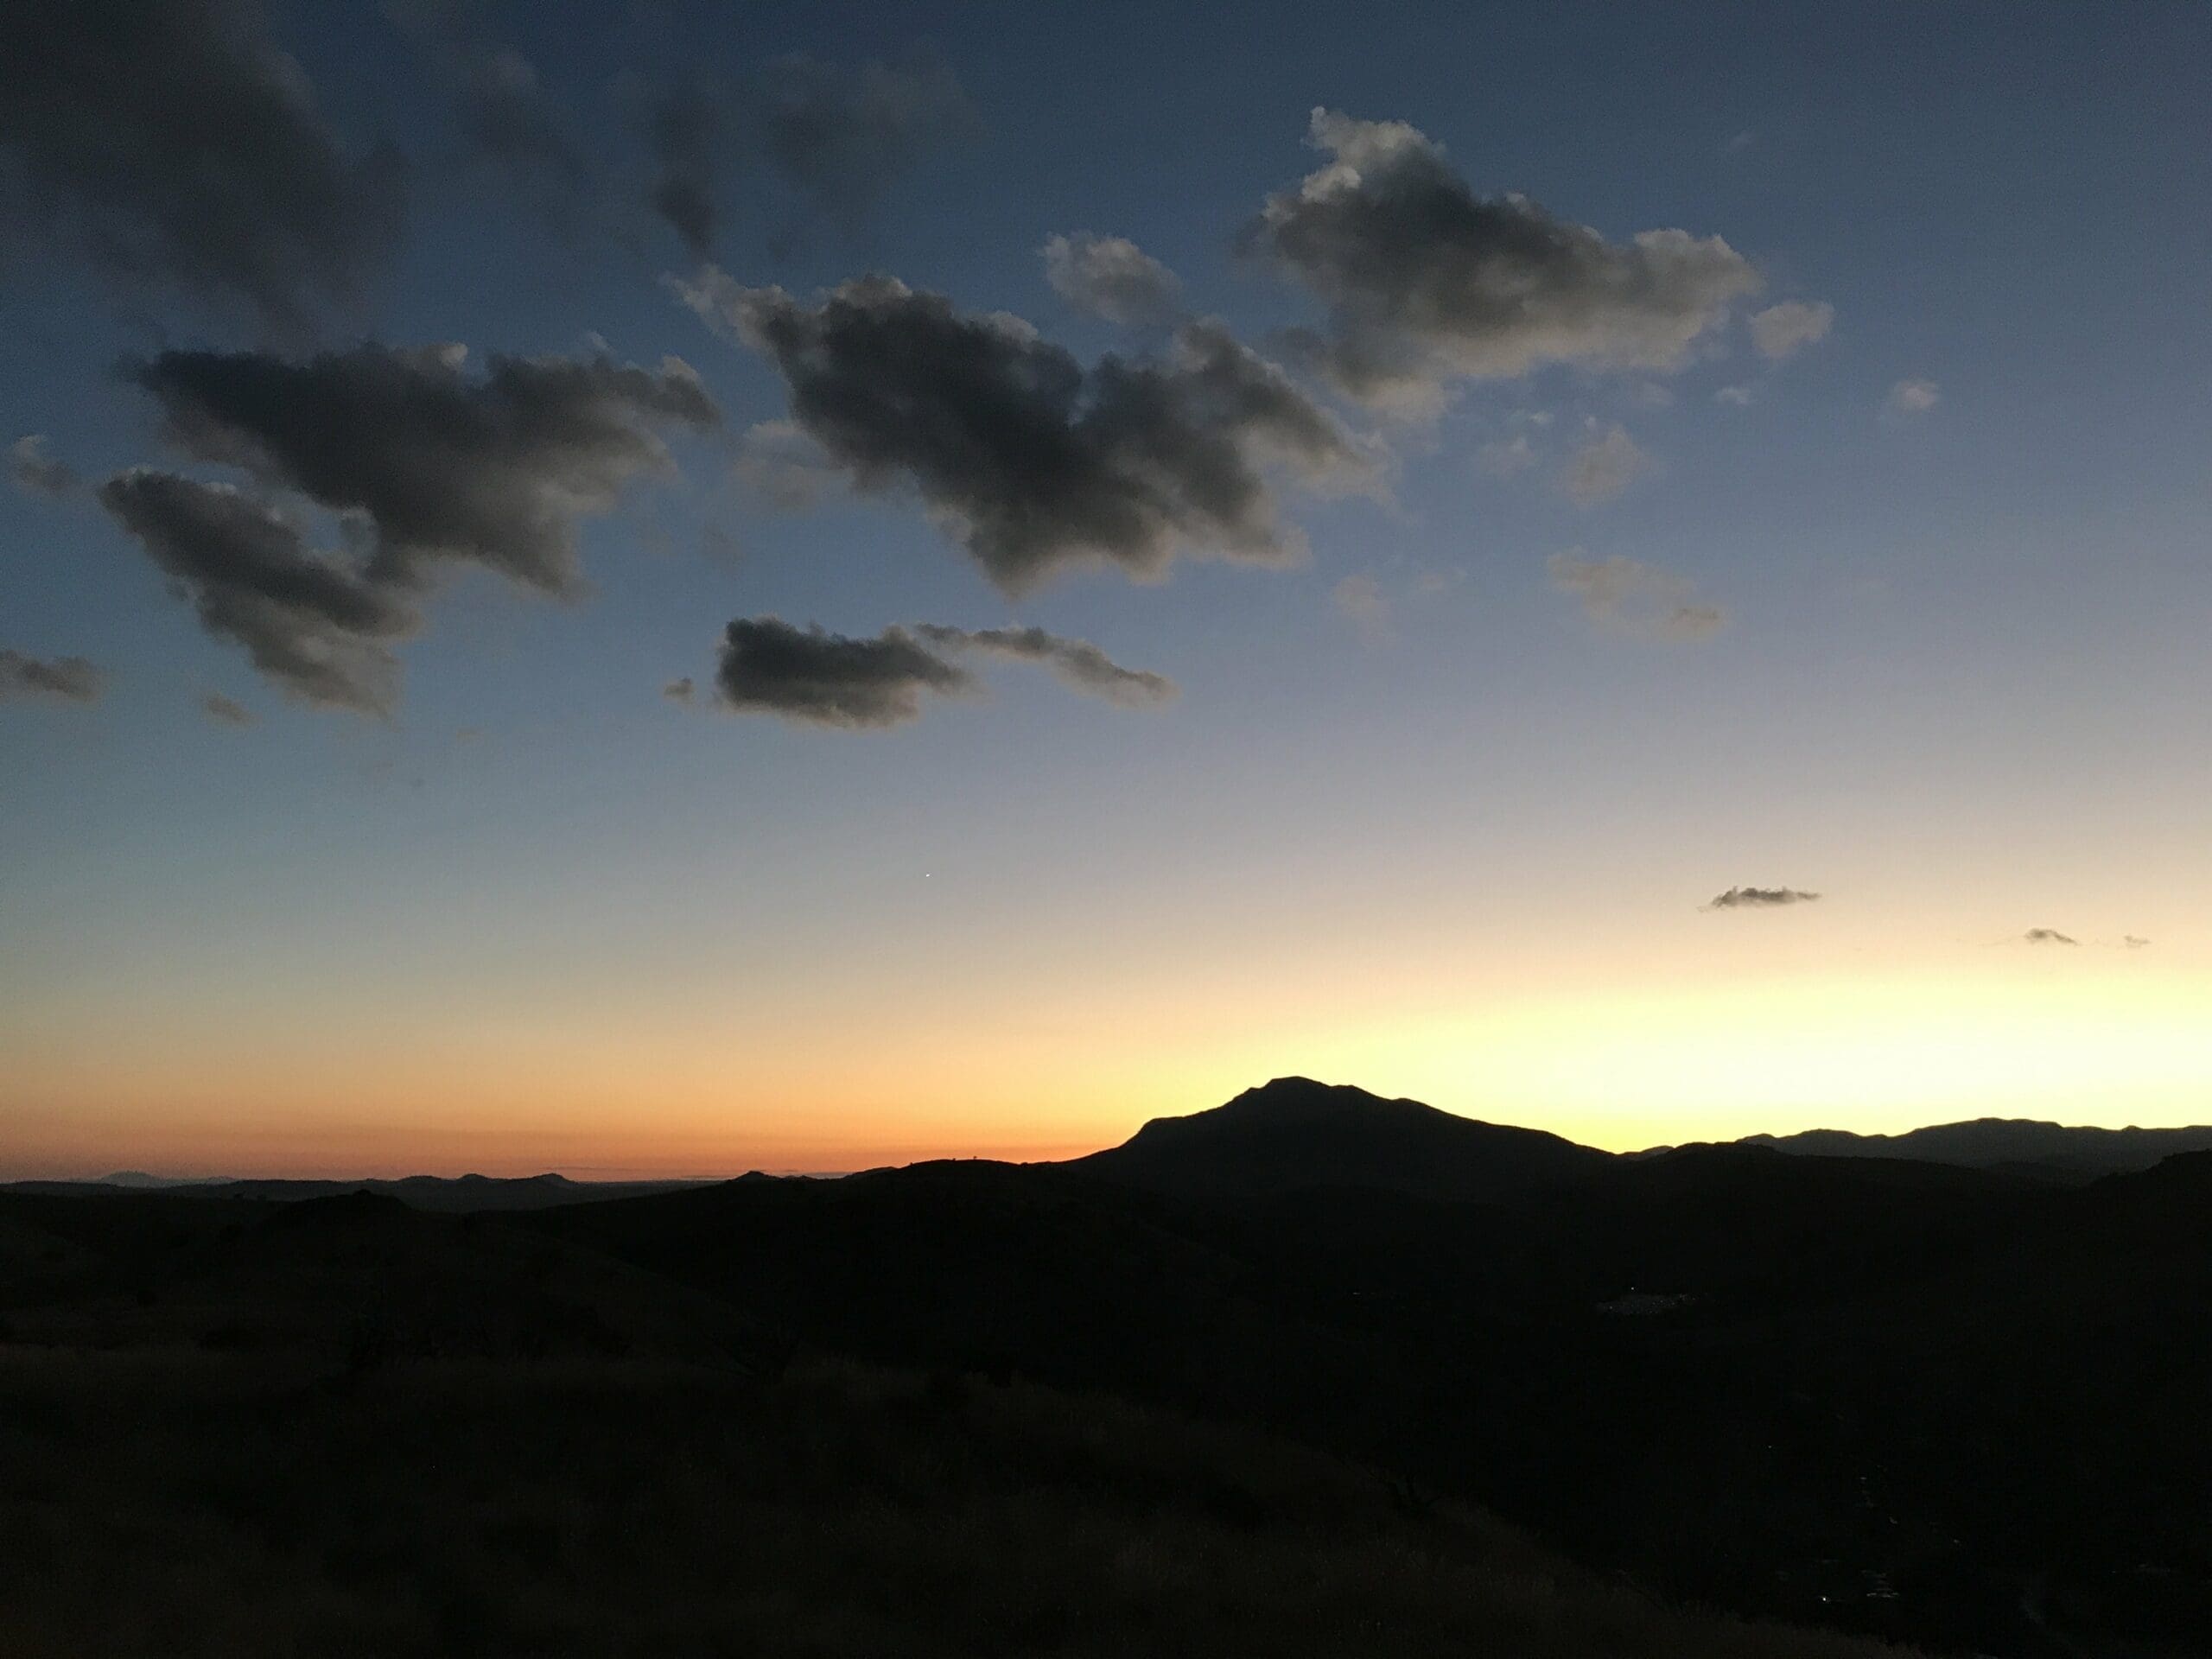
1335, 535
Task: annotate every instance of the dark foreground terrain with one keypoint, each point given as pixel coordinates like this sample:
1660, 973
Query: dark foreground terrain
345, 1428
1246, 1386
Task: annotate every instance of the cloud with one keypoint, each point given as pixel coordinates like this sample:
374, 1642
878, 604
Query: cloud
66, 679
769, 666
1782, 331
226, 711
679, 690
1604, 467
1360, 601
35, 472
2131, 942
174, 142
1741, 397
1030, 462
317, 626
1506, 456
1909, 398
1760, 898
831, 139
2047, 936
497, 468
840, 137
1636, 599
685, 132
505, 111
1076, 662
777, 461
1110, 276
1427, 282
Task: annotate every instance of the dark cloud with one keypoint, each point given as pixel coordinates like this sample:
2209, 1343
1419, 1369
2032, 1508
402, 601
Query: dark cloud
2132, 942
678, 690
1077, 662
171, 141
35, 472
1760, 898
67, 679
1110, 276
1426, 281
1030, 461
496, 468
829, 140
2048, 935
225, 711
318, 625
767, 666
504, 109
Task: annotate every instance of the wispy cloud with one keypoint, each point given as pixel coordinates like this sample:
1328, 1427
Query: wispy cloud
1910, 398
1361, 601
64, 679
1633, 598
1782, 331
35, 471
1604, 467
1110, 276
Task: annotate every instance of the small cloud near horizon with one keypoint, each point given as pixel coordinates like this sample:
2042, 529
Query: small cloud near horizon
1760, 898
2048, 935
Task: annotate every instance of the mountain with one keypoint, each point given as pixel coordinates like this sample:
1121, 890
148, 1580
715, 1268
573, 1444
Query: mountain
2054, 1150
1954, 1407
1293, 1134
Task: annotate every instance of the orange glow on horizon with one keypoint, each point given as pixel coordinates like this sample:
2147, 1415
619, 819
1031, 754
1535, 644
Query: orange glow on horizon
1622, 1067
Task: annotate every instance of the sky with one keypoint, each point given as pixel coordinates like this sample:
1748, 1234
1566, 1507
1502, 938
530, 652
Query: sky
665, 589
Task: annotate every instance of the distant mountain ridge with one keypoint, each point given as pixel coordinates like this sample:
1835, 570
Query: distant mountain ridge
455, 1195
1294, 1133
2001, 1143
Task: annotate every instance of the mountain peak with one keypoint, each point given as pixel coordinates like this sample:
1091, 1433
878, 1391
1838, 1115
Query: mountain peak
1293, 1134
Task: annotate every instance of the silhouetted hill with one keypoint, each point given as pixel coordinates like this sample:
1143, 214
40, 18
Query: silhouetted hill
1899, 1395
460, 1195
1991, 1142
1293, 1134
1956, 1406
336, 1280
